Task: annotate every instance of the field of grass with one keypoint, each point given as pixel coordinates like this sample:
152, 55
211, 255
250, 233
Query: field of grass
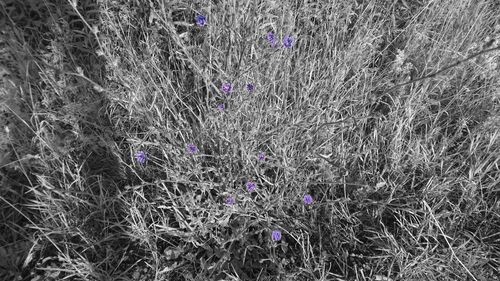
176, 140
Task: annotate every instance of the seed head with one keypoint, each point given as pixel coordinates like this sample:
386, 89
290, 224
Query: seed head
250, 186
191, 148
276, 235
201, 20
287, 42
308, 199
141, 156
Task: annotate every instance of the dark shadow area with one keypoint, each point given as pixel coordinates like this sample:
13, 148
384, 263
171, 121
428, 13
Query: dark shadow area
58, 99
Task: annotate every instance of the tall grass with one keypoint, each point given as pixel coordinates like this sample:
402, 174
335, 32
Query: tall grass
403, 171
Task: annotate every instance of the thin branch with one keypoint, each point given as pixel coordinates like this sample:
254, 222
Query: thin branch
445, 68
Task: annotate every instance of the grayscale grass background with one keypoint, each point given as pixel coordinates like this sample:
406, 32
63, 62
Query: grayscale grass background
405, 180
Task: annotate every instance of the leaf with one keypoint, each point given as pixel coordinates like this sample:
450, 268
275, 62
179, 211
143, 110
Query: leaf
169, 268
225, 221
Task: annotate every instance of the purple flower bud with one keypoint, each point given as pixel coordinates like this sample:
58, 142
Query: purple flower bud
250, 186
250, 87
287, 41
276, 235
226, 88
141, 156
191, 148
201, 20
230, 200
261, 156
270, 38
308, 199
221, 106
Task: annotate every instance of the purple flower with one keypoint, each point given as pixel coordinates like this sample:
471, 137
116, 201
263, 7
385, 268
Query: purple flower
191, 148
261, 156
226, 87
250, 186
250, 87
230, 200
270, 38
201, 20
308, 199
287, 41
141, 156
221, 106
276, 235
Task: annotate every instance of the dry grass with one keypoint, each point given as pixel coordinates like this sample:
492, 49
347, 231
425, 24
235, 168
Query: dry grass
404, 176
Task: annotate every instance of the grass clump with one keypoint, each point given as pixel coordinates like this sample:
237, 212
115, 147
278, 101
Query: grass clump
223, 140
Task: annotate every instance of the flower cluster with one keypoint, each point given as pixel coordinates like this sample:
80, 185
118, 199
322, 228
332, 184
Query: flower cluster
287, 40
226, 87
